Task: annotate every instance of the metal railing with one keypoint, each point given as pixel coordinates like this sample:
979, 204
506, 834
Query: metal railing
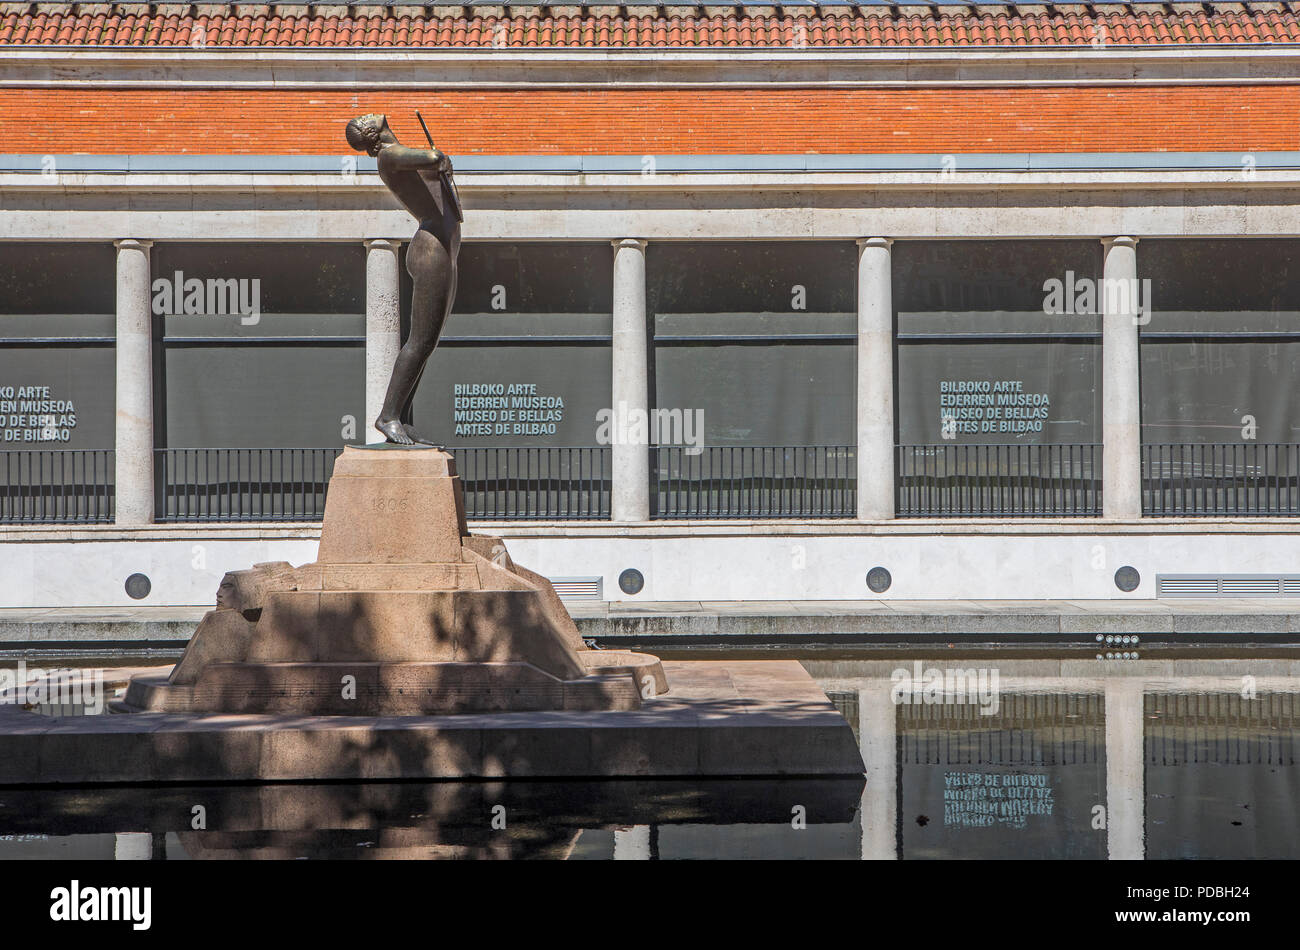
244, 484
1034, 729
51, 486
500, 483
535, 483
998, 481
56, 486
753, 481
1222, 728
1212, 478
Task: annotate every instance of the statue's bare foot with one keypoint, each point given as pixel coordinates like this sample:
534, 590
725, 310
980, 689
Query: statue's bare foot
417, 438
393, 431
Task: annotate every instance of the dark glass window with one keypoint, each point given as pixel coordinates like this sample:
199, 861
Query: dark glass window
263, 345
1221, 352
759, 336
57, 376
524, 360
998, 342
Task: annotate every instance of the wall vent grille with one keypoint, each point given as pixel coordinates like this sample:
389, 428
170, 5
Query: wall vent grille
1228, 585
580, 588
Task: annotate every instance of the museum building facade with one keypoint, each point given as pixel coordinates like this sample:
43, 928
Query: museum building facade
752, 300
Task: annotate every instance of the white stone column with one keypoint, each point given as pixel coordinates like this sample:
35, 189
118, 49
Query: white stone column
1120, 395
1125, 770
875, 381
878, 731
133, 846
630, 393
383, 327
632, 844
133, 443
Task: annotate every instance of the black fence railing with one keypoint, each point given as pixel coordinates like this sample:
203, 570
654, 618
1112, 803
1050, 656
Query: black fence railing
56, 486
535, 483
244, 484
998, 481
500, 483
753, 481
1234, 478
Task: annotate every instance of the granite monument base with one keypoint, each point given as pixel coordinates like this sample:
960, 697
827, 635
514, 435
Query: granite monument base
411, 649
403, 613
729, 718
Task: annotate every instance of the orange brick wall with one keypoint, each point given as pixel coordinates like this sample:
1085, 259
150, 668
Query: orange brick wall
606, 121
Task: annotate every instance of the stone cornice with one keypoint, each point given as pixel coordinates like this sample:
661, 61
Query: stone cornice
635, 68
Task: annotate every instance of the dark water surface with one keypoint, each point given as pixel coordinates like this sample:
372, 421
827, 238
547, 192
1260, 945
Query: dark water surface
1058, 756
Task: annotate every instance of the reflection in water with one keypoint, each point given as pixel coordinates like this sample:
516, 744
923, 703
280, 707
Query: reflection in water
490, 820
972, 784
1221, 777
1071, 761
1124, 762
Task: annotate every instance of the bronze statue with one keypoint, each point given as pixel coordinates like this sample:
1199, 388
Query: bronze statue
421, 179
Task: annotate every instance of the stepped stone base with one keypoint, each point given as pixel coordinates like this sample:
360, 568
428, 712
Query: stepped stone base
381, 689
403, 613
722, 719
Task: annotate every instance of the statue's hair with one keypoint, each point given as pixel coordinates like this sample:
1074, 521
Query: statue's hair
363, 132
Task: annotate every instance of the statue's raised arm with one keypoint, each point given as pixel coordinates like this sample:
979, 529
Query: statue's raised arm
401, 158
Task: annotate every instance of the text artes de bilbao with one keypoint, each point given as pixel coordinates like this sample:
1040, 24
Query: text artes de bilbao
983, 799
982, 405
504, 409
30, 414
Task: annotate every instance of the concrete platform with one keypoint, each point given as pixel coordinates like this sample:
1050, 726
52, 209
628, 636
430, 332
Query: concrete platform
722, 719
619, 623
827, 620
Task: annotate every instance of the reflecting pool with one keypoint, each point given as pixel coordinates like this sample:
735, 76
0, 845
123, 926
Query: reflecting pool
967, 755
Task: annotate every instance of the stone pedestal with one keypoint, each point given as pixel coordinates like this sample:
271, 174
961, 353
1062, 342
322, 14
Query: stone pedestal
402, 613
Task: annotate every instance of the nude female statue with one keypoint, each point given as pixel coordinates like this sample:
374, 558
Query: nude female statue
421, 179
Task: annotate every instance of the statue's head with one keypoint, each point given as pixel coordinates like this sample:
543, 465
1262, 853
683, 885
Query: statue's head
366, 131
247, 590
228, 592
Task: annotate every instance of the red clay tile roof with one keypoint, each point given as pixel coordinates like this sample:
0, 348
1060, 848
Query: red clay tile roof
135, 26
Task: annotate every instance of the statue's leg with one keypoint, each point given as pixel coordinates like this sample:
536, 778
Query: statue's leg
407, 414
432, 272
406, 410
